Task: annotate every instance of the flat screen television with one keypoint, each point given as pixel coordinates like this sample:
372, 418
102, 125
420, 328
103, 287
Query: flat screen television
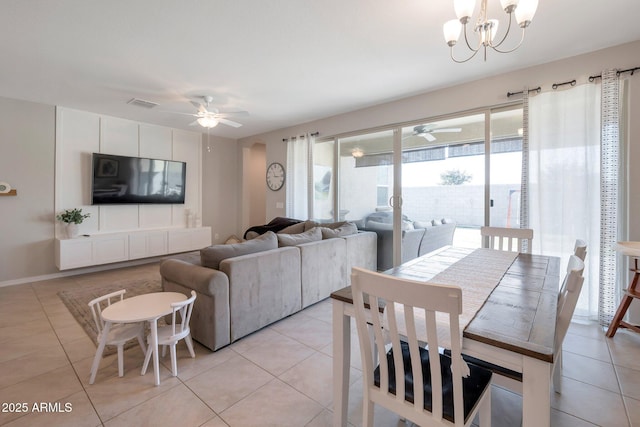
136, 180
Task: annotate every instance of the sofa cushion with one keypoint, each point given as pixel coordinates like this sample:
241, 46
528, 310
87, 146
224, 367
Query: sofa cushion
422, 224
309, 236
345, 229
211, 256
293, 229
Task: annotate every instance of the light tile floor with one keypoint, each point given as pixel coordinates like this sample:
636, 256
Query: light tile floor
279, 376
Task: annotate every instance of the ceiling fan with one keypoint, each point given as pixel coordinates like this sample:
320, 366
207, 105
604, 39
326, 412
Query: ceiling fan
427, 131
210, 117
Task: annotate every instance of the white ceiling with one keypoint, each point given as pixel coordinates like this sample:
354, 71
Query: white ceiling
285, 61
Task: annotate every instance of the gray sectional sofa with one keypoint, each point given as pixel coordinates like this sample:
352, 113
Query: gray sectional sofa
245, 286
418, 237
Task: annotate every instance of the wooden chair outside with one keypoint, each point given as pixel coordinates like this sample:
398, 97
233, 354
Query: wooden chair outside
417, 383
507, 239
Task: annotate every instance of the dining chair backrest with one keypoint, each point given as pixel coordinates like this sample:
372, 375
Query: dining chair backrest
180, 327
568, 298
395, 383
507, 239
580, 249
98, 304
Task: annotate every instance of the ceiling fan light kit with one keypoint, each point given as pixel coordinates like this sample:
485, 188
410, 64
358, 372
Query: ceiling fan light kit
486, 28
211, 117
207, 122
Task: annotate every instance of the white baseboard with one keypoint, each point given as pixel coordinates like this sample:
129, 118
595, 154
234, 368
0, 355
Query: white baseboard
78, 271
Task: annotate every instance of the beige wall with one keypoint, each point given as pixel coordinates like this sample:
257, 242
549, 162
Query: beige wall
220, 187
27, 162
482, 93
27, 143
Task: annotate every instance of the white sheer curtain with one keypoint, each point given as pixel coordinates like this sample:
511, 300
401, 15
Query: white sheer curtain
300, 177
564, 179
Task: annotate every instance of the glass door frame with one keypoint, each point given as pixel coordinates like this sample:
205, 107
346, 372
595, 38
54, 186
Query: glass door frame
395, 200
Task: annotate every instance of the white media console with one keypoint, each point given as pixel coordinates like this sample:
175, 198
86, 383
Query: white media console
85, 251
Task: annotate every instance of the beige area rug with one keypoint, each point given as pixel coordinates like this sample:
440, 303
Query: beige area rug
77, 301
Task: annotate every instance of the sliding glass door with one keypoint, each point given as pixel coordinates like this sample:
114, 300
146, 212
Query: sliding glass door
506, 167
443, 178
402, 180
366, 177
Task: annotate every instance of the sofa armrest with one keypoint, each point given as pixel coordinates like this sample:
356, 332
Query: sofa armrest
210, 317
437, 237
411, 243
264, 288
361, 251
203, 280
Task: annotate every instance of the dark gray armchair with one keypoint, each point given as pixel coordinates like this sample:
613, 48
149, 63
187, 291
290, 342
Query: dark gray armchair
418, 238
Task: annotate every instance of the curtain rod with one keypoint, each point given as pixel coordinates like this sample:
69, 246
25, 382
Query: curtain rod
301, 136
537, 90
629, 70
573, 82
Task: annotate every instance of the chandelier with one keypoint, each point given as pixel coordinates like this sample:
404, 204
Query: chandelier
486, 28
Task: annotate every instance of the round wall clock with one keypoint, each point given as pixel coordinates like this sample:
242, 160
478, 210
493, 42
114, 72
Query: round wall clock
275, 176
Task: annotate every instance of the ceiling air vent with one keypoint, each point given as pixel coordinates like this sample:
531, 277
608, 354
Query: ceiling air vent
141, 103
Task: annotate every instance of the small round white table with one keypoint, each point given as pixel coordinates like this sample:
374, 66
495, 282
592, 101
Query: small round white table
141, 308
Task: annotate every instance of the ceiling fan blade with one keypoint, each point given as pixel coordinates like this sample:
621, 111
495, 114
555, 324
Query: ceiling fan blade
182, 114
429, 137
228, 122
193, 123
447, 130
201, 108
233, 114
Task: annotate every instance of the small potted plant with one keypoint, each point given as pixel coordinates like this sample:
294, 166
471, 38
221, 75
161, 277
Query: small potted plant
72, 218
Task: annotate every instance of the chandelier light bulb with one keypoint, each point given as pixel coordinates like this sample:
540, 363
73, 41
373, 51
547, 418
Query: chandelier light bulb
508, 5
525, 11
464, 9
451, 31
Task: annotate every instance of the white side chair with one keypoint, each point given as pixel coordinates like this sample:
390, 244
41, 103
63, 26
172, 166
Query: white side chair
417, 383
567, 301
508, 239
170, 335
580, 249
118, 334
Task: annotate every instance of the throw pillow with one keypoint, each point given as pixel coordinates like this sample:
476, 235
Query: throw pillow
293, 229
213, 255
422, 224
308, 225
312, 235
346, 229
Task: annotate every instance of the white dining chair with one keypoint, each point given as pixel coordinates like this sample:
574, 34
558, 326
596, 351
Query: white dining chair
168, 336
507, 239
580, 249
567, 301
118, 334
417, 383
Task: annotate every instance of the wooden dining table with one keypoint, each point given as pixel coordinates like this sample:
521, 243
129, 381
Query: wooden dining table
514, 328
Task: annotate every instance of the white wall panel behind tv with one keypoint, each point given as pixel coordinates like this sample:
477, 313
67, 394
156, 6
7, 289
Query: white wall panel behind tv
118, 136
77, 136
186, 148
155, 142
155, 216
118, 217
